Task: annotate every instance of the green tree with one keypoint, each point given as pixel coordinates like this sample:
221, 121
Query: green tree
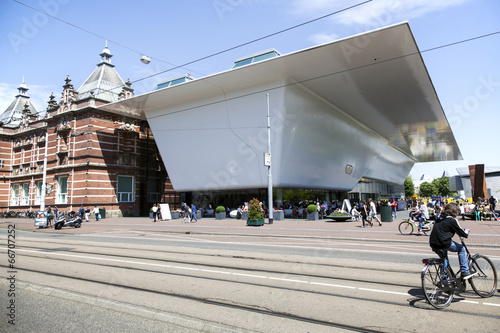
409, 188
442, 186
427, 190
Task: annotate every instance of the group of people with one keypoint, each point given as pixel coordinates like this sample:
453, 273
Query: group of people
482, 209
52, 214
189, 213
367, 212
85, 213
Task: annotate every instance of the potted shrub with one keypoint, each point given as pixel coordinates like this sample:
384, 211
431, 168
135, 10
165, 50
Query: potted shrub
220, 213
255, 215
279, 215
312, 213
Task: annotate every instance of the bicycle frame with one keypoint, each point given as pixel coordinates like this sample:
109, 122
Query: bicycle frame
450, 283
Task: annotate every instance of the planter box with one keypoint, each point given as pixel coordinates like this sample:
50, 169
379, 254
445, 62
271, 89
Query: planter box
279, 216
175, 215
220, 216
257, 223
314, 216
340, 218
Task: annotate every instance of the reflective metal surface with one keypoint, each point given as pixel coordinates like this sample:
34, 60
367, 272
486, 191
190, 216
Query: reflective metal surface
365, 101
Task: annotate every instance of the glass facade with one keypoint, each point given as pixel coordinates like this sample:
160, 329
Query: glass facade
365, 189
255, 58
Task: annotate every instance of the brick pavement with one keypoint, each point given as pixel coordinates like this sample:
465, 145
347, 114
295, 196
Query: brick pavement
483, 233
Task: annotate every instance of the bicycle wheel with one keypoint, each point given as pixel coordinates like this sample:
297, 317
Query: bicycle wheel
434, 288
485, 282
406, 227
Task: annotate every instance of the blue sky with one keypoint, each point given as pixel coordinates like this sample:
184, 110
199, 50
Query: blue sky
43, 50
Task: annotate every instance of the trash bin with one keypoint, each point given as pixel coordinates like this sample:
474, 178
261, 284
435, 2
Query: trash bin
102, 212
385, 214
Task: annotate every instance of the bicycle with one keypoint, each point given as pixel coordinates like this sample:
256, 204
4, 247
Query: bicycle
408, 226
439, 281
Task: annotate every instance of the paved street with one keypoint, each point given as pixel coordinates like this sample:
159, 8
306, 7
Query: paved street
221, 275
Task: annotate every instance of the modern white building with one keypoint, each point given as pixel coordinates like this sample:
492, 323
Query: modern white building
357, 109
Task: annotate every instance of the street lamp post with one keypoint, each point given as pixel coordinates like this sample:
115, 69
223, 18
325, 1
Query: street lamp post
44, 180
268, 163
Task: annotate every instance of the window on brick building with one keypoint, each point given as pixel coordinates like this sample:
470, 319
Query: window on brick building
154, 190
25, 194
38, 197
62, 190
125, 189
14, 198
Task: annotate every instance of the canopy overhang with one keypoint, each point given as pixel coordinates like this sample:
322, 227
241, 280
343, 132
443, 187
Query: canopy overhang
364, 103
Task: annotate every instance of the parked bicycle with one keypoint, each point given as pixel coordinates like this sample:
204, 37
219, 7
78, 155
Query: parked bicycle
439, 281
408, 226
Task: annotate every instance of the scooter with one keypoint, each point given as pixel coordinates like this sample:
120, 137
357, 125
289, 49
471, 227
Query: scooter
63, 221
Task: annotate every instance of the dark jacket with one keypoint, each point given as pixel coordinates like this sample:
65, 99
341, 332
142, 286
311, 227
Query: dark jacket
443, 231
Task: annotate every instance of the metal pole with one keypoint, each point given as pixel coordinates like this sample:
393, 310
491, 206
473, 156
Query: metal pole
44, 181
269, 172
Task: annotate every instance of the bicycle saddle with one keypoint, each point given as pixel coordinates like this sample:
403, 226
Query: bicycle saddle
443, 254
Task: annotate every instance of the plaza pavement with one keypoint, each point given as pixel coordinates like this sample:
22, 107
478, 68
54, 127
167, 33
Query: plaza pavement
483, 233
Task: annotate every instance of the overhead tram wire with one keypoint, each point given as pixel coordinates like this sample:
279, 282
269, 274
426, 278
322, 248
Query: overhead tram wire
199, 59
384, 61
347, 70
255, 40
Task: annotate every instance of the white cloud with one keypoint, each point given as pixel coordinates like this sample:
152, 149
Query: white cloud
384, 12
376, 13
322, 38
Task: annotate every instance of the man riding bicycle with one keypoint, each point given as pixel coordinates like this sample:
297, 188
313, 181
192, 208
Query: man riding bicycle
441, 237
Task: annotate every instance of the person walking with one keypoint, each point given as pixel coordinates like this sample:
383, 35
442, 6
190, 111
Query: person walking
193, 214
364, 214
155, 212
186, 209
493, 203
373, 212
158, 212
81, 212
87, 214
394, 208
462, 211
96, 213
50, 217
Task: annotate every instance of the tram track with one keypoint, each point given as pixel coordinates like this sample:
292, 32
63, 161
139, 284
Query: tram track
370, 271
264, 284
225, 305
42, 252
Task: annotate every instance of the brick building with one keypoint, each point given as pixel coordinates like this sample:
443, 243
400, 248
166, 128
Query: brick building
93, 157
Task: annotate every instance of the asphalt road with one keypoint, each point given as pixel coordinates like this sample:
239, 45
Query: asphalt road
285, 278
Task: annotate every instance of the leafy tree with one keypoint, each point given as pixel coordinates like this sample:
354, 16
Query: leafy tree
442, 186
427, 190
409, 188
